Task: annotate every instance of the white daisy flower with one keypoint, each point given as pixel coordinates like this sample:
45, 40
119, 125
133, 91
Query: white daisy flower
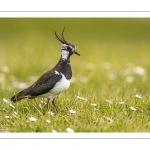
96, 109
51, 113
138, 96
5, 69
19, 85
132, 108
94, 104
121, 103
48, 121
72, 111
22, 85
8, 117
108, 101
81, 98
5, 100
54, 131
32, 119
12, 106
109, 119
69, 130
139, 70
15, 113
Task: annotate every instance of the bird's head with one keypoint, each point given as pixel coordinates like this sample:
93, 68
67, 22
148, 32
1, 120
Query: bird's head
67, 48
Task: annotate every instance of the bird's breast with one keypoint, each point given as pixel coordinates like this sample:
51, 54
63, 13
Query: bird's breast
62, 85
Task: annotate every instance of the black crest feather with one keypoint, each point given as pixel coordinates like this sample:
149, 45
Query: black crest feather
62, 39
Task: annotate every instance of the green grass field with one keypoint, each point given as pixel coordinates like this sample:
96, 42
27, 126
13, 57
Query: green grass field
111, 73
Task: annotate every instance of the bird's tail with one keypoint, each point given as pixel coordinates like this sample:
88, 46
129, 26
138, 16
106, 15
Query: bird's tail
21, 95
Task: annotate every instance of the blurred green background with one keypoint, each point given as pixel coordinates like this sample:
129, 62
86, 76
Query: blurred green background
28, 45
110, 50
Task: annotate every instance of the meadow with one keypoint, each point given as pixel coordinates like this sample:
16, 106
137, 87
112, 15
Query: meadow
110, 87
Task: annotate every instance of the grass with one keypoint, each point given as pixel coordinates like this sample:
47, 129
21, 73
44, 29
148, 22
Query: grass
114, 65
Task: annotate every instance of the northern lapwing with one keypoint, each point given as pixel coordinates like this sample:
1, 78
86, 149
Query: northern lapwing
54, 81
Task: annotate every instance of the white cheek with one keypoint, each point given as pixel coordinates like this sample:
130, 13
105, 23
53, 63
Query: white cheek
65, 54
63, 45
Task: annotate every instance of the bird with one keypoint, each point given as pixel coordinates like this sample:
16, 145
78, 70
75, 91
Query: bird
55, 81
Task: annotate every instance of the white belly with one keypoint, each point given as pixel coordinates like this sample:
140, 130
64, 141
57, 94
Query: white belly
59, 87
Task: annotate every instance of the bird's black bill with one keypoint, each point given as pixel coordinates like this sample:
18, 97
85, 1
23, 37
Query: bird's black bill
76, 53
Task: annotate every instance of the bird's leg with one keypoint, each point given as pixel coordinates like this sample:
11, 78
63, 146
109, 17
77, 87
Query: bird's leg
47, 103
53, 102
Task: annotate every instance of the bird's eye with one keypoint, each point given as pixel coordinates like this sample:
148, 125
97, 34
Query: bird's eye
68, 48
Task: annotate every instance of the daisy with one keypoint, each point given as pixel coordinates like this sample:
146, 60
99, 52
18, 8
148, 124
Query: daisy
32, 119
121, 103
69, 130
81, 98
132, 108
109, 119
48, 121
8, 117
51, 113
93, 104
138, 96
5, 101
12, 106
72, 111
108, 101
